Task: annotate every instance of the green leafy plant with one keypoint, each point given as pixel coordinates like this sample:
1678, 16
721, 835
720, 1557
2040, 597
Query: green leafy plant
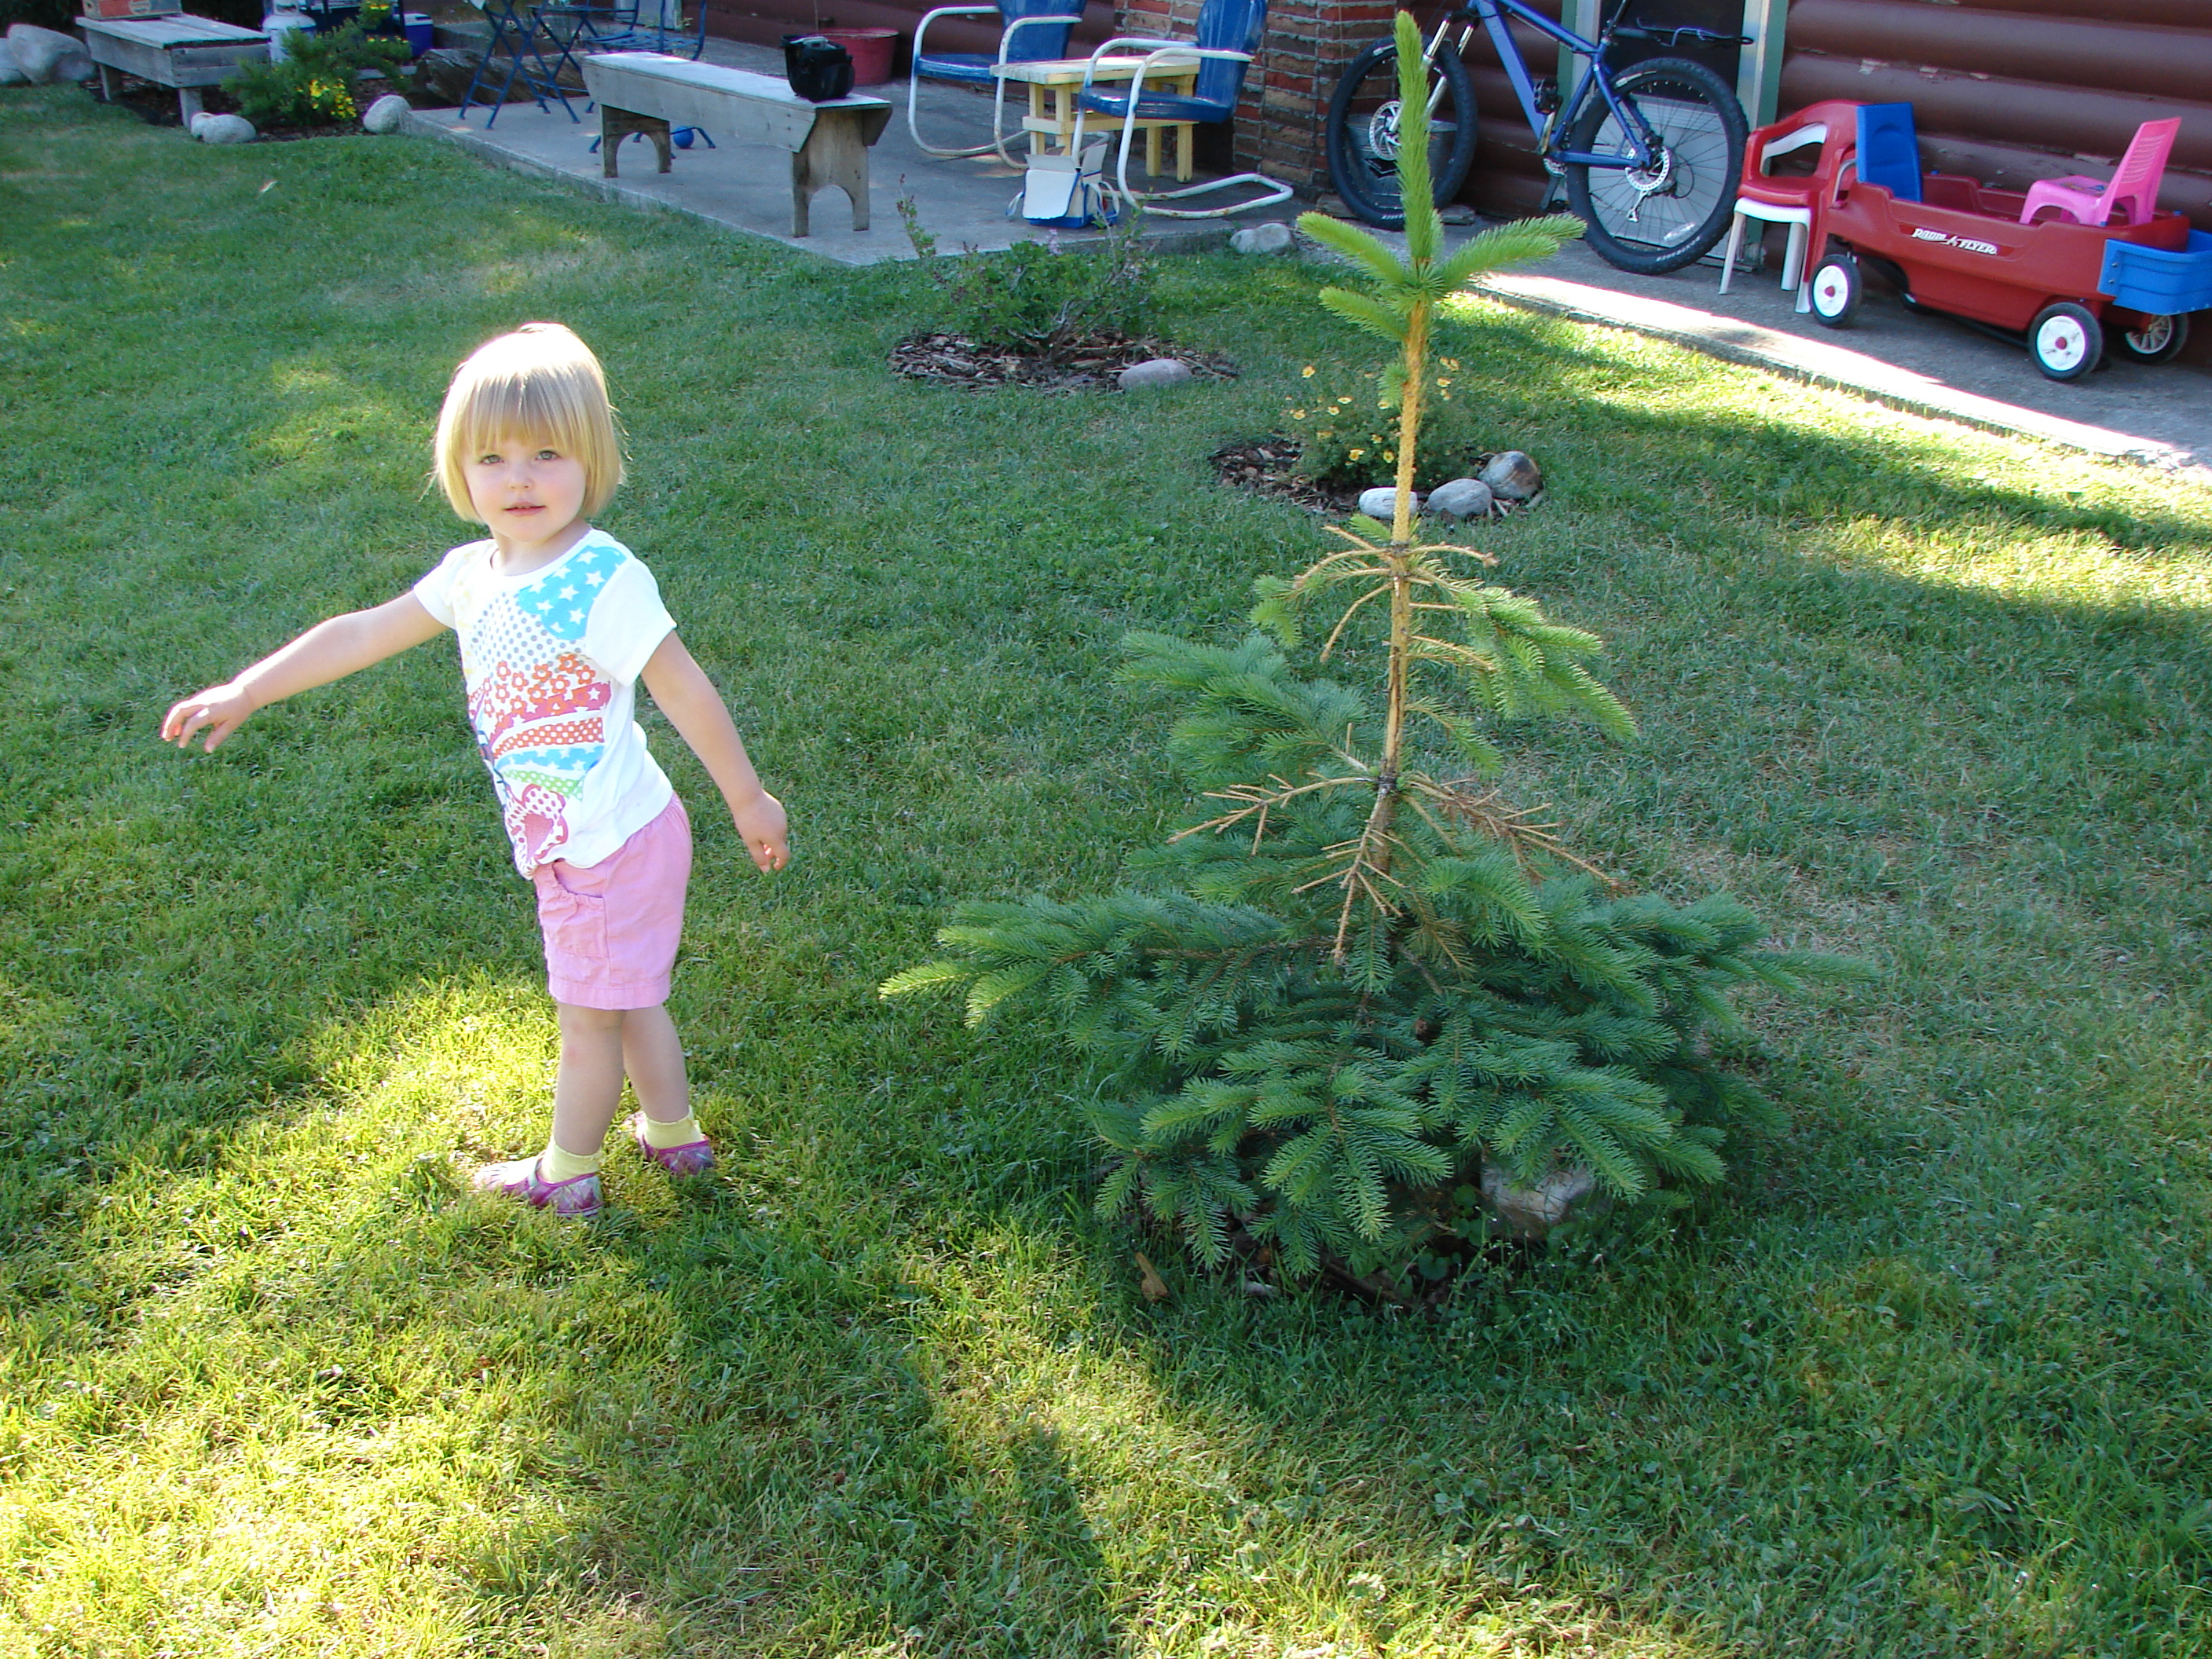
1346, 425
1042, 299
313, 86
1364, 1009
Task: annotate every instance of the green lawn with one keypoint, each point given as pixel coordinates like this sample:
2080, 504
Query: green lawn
1928, 1376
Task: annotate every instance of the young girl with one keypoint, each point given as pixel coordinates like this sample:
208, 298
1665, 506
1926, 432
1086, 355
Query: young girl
557, 622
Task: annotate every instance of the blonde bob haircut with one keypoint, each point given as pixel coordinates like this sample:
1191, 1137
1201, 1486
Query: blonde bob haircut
539, 382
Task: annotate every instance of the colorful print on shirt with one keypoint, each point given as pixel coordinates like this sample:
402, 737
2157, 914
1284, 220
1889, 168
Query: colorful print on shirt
550, 660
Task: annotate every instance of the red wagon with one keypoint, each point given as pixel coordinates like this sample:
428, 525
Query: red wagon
2071, 289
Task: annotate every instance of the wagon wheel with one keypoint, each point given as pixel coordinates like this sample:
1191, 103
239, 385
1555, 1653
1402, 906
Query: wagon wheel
2159, 340
1834, 291
2066, 340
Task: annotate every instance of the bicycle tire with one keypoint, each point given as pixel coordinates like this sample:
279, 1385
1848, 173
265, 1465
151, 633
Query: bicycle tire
1702, 130
1362, 129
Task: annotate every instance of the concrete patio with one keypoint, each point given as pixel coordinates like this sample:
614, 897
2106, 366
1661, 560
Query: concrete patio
1926, 364
959, 201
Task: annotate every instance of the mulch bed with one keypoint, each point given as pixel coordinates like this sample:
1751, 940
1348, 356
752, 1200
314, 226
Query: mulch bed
1269, 467
1090, 366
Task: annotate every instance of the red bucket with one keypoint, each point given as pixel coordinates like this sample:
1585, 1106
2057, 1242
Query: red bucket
873, 52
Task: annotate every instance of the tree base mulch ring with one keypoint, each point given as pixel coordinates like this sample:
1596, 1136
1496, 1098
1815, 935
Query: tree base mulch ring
1090, 364
1269, 467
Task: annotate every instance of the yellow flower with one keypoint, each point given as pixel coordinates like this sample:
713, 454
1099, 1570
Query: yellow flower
1297, 414
1355, 453
1308, 371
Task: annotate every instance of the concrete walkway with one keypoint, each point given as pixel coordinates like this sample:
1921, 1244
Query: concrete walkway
2163, 417
961, 203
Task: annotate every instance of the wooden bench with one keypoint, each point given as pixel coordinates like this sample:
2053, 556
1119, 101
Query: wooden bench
648, 92
179, 51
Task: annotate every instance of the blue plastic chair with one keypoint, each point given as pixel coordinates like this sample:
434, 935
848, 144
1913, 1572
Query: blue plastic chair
1034, 32
1889, 149
1228, 33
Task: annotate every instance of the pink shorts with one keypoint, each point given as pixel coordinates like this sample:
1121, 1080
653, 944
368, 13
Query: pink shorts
612, 929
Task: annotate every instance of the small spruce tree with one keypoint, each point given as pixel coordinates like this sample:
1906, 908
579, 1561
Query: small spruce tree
1363, 981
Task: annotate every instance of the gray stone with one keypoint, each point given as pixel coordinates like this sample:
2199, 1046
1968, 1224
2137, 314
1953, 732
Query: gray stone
226, 129
200, 119
11, 72
1512, 477
45, 56
1158, 371
1263, 239
387, 114
1462, 498
1458, 213
1381, 503
443, 74
1530, 1212
1334, 206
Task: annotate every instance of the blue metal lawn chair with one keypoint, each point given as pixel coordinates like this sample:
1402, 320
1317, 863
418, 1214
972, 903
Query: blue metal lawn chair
1228, 36
1035, 32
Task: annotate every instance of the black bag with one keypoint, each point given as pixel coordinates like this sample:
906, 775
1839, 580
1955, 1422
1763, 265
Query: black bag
819, 69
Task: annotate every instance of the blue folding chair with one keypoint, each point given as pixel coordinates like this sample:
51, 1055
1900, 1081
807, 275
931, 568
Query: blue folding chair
1889, 149
516, 29
1034, 32
1228, 33
643, 26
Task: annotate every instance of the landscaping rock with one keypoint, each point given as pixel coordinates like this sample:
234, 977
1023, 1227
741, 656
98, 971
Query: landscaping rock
1159, 371
1458, 213
1334, 206
11, 72
444, 73
200, 119
1530, 1213
1512, 477
387, 114
226, 129
1381, 503
1462, 498
46, 56
1261, 239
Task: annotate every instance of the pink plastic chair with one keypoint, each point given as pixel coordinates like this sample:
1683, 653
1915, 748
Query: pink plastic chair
2133, 193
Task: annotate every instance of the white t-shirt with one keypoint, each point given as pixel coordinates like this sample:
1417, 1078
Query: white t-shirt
550, 660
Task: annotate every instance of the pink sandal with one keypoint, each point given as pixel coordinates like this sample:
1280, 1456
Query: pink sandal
692, 1158
577, 1197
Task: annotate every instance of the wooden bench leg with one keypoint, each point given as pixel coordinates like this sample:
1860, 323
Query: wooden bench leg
835, 154
616, 125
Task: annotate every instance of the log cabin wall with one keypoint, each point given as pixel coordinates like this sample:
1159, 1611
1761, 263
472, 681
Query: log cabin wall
765, 22
2013, 91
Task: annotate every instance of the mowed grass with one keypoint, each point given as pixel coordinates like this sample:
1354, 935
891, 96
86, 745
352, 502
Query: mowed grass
1928, 1376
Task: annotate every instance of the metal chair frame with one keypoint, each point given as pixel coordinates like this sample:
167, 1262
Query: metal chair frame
1166, 54
509, 27
1063, 21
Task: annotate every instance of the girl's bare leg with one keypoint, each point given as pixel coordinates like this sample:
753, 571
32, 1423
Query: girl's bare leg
588, 1088
653, 1055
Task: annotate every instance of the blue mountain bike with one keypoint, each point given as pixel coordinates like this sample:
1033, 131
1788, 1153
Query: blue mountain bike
1650, 154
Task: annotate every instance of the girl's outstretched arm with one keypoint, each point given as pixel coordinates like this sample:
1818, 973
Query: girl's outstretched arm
695, 709
328, 651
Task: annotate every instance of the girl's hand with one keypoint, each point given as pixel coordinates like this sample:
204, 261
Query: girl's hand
761, 823
220, 709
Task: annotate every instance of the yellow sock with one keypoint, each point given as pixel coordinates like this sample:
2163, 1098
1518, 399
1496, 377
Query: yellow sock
664, 1136
554, 1164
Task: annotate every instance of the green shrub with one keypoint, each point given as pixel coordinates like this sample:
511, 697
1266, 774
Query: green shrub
1038, 298
1346, 424
313, 86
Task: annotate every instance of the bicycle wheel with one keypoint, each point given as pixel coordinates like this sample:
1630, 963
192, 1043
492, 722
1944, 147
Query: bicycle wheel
1661, 218
1363, 133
